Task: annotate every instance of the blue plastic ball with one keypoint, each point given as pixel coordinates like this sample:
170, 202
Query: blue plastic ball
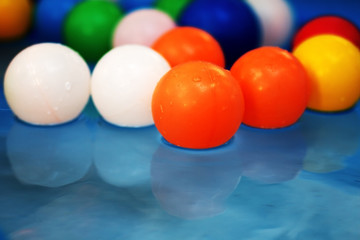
49, 18
231, 22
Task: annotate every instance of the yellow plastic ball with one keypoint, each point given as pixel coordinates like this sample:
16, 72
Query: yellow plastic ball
333, 65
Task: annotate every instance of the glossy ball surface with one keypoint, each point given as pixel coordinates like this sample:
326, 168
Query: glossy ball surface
49, 18
123, 82
15, 18
333, 65
197, 105
328, 25
47, 84
183, 44
231, 22
143, 27
89, 28
276, 19
275, 87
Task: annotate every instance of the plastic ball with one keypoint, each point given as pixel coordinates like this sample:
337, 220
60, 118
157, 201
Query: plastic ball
183, 44
333, 65
123, 82
275, 87
197, 105
47, 84
50, 16
276, 21
328, 25
142, 27
232, 22
15, 18
173, 8
89, 28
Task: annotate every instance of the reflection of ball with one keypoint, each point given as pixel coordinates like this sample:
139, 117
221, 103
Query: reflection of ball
271, 156
15, 18
276, 20
89, 28
328, 25
50, 157
183, 44
333, 65
142, 27
194, 184
275, 87
122, 155
123, 82
331, 140
231, 22
197, 105
47, 84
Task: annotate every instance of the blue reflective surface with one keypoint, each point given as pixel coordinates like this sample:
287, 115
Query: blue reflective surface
90, 180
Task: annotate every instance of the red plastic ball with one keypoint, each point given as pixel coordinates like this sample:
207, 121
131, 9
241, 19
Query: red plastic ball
328, 25
275, 87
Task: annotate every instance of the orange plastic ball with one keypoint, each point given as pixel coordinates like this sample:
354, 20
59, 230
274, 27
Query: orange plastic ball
15, 18
197, 105
183, 44
275, 87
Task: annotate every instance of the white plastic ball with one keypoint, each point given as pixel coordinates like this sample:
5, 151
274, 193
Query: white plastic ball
142, 27
47, 84
123, 82
276, 20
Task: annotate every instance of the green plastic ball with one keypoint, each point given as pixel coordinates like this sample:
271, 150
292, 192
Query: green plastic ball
172, 7
89, 28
